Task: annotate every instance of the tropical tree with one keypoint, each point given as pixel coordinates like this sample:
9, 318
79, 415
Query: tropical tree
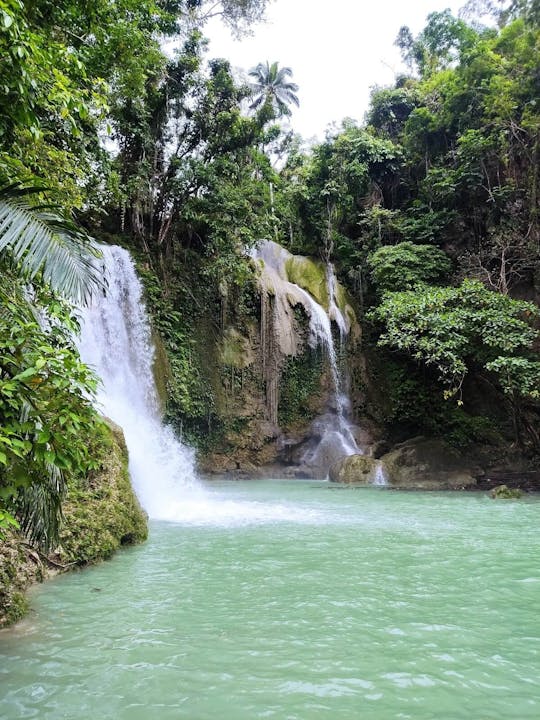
45, 391
456, 330
272, 91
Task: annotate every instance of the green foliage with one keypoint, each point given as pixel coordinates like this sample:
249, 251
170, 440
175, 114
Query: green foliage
330, 186
299, 384
190, 405
517, 376
439, 44
412, 403
46, 416
39, 240
390, 108
451, 328
403, 266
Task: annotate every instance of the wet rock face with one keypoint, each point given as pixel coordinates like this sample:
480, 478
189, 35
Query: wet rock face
355, 470
429, 464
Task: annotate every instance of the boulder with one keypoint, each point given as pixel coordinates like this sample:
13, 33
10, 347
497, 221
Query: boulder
429, 464
503, 492
356, 470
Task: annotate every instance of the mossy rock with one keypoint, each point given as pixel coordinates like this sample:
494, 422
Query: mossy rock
102, 512
310, 275
429, 464
161, 369
355, 470
503, 492
235, 350
18, 569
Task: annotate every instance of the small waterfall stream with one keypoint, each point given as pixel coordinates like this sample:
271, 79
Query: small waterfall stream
335, 433
116, 342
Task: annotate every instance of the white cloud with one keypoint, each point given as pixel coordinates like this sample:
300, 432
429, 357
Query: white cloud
338, 50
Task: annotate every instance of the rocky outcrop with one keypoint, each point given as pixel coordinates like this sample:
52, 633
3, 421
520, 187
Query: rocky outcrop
503, 492
429, 464
357, 470
101, 512
272, 368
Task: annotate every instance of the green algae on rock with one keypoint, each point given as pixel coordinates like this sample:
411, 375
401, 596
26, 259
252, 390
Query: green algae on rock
310, 275
503, 492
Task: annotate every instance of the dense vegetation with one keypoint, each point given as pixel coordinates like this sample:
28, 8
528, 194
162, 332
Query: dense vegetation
77, 78
429, 210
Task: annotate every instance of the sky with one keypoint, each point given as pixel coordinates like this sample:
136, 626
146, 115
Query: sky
337, 50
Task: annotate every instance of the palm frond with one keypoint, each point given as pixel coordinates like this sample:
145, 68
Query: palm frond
39, 508
40, 239
271, 86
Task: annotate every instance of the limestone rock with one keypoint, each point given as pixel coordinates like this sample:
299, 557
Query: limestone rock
355, 470
428, 464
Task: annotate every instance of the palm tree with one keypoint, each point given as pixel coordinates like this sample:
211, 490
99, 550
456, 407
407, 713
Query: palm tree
271, 89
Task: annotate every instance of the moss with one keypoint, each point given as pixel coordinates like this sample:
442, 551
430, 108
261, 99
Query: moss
310, 275
300, 383
101, 513
503, 492
235, 350
161, 368
17, 571
17, 609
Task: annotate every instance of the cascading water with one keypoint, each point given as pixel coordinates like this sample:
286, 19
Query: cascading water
334, 434
116, 342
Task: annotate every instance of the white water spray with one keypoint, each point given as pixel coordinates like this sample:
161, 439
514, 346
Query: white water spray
116, 341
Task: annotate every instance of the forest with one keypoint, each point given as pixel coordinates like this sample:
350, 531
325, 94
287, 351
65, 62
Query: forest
428, 208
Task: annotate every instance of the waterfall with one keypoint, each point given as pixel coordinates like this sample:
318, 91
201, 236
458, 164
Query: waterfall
116, 342
333, 429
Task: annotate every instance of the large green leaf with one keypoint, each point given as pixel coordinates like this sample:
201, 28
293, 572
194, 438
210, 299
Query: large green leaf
41, 240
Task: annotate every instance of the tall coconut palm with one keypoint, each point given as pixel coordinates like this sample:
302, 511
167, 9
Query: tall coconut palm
272, 90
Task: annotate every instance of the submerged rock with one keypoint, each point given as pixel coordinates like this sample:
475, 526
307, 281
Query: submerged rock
503, 492
429, 464
356, 470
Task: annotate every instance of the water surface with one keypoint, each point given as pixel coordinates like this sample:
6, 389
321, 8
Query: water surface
294, 601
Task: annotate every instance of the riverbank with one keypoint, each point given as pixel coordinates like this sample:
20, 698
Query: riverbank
101, 513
